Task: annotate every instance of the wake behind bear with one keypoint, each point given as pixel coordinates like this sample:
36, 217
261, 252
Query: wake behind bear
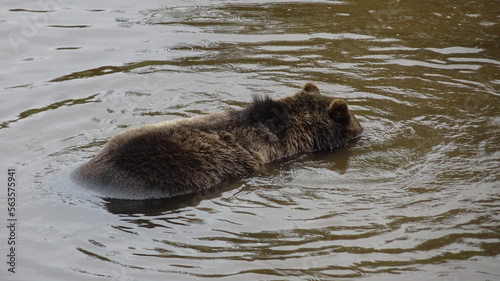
179, 157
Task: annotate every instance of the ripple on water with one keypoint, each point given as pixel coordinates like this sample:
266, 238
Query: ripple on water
415, 198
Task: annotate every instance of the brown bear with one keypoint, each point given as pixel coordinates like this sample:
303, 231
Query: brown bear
190, 155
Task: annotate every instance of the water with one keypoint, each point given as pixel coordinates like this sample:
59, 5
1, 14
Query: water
417, 198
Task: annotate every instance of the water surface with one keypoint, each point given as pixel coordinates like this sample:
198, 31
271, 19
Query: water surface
416, 198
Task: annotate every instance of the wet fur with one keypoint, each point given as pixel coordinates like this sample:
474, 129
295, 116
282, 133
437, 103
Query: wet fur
190, 155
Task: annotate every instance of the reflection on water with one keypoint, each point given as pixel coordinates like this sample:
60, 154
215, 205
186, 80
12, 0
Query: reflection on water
416, 197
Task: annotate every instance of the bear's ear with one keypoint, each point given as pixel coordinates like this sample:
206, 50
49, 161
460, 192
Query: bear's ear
310, 88
339, 111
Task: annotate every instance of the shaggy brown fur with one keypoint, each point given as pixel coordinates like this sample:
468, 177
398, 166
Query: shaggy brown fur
190, 155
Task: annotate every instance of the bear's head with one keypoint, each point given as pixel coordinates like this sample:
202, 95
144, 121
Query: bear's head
306, 121
311, 104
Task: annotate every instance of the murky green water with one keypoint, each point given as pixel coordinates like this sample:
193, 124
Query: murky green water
417, 198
